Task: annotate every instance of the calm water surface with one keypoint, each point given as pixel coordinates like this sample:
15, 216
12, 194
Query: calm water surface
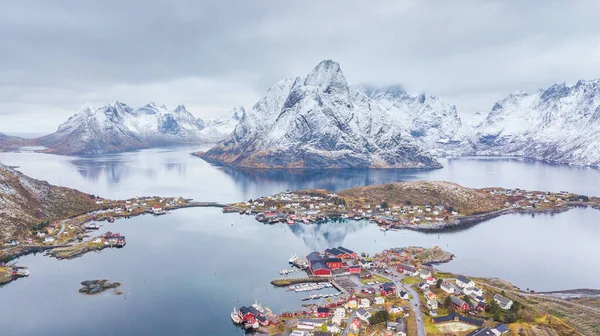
182, 273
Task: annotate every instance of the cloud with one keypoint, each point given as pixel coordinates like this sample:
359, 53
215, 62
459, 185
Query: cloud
57, 55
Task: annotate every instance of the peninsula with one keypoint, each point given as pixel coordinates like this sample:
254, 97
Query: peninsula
420, 205
398, 292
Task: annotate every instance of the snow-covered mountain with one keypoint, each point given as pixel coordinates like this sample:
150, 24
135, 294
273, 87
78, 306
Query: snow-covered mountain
317, 121
218, 129
435, 125
117, 127
560, 124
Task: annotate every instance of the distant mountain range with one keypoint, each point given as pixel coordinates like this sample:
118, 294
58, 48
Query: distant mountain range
560, 124
318, 121
117, 127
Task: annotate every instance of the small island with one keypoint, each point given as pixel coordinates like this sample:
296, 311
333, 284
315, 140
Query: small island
91, 287
420, 205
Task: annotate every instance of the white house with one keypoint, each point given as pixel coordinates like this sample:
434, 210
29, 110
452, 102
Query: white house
445, 286
48, 240
395, 310
431, 281
351, 304
433, 304
403, 295
378, 300
341, 312
503, 302
464, 282
424, 273
332, 328
365, 303
473, 290
362, 314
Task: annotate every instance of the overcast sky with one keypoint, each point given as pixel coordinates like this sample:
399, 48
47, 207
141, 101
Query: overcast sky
212, 55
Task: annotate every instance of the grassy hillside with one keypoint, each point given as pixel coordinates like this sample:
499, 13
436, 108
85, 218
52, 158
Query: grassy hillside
26, 202
467, 200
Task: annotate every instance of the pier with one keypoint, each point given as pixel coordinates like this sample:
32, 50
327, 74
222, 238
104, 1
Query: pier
295, 281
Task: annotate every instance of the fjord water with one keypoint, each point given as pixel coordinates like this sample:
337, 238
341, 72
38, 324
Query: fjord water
183, 273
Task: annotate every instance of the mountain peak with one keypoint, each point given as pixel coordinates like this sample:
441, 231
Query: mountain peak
328, 76
237, 112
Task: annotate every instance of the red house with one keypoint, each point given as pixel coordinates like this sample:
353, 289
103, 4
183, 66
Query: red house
322, 312
354, 269
348, 254
335, 253
246, 314
388, 288
459, 303
318, 266
334, 263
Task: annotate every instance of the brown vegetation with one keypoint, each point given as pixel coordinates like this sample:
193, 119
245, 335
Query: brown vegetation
28, 202
466, 200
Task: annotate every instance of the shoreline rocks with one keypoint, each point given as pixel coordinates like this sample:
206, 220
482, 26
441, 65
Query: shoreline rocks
91, 287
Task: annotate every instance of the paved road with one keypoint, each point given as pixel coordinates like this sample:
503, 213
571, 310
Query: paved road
62, 228
415, 303
350, 319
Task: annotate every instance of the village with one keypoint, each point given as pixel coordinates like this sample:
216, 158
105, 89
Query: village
70, 238
395, 292
316, 206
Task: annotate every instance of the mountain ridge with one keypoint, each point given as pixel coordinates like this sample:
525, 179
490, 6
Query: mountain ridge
318, 121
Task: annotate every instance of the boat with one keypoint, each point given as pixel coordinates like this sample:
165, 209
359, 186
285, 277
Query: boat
21, 272
235, 316
258, 307
293, 258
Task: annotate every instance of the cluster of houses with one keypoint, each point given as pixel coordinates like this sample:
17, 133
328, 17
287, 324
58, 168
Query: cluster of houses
253, 316
339, 260
522, 199
332, 319
465, 287
294, 208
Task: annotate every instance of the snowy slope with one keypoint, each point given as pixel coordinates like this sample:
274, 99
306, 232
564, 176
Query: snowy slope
317, 121
434, 124
218, 129
559, 124
117, 127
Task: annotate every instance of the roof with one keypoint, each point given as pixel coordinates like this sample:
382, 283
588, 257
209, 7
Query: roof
502, 299
244, 310
481, 332
334, 251
318, 264
322, 333
333, 260
463, 279
388, 286
261, 318
401, 324
361, 311
322, 310
345, 250
450, 317
457, 301
502, 328
314, 256
253, 310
